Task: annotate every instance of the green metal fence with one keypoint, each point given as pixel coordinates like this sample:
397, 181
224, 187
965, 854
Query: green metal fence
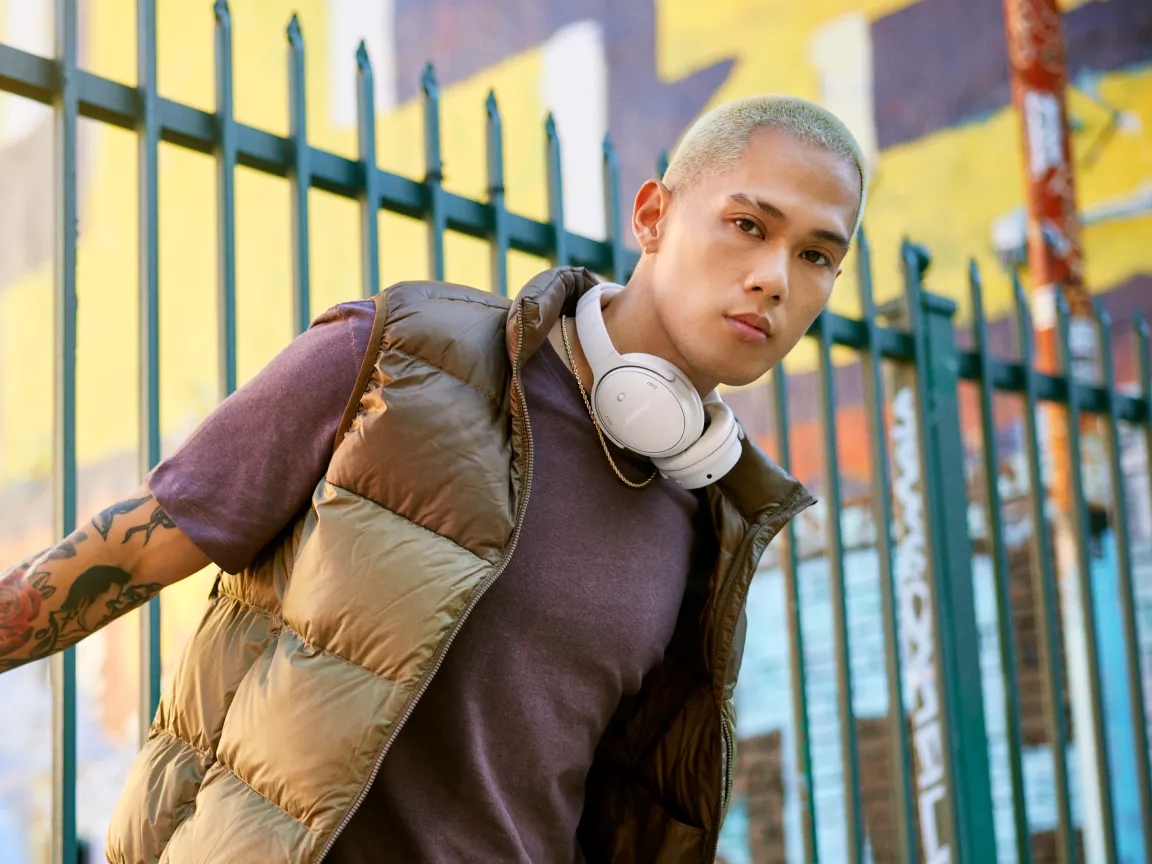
942, 787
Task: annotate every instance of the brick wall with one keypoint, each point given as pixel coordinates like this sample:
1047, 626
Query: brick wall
759, 777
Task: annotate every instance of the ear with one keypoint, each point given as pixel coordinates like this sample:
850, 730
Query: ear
648, 212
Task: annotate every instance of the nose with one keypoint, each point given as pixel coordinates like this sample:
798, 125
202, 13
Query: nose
770, 275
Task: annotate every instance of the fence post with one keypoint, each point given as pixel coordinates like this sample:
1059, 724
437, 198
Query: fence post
958, 641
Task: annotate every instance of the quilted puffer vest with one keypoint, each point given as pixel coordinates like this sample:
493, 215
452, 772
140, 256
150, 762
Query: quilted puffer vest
307, 664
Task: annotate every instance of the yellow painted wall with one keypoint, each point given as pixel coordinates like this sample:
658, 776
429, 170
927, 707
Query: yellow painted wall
944, 190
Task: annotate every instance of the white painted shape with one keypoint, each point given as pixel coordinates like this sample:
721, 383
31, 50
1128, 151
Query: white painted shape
574, 87
1042, 119
27, 26
841, 52
350, 21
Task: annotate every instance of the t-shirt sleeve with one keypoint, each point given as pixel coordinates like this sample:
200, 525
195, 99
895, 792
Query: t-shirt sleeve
253, 463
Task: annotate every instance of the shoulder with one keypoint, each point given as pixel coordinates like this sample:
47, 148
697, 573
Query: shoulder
443, 302
458, 329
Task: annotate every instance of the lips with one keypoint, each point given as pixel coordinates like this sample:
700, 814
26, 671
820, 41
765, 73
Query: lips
759, 322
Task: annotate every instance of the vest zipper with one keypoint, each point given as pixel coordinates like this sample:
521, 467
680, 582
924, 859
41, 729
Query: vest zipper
518, 385
730, 750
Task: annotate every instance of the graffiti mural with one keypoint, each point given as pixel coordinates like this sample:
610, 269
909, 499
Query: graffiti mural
923, 84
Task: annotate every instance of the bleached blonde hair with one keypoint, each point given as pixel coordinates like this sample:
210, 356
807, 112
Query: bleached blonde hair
718, 139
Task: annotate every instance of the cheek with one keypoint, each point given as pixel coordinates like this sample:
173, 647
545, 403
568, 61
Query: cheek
811, 290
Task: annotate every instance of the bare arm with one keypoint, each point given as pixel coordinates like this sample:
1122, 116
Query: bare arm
113, 564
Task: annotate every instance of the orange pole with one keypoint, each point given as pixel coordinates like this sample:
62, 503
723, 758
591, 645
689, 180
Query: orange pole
1039, 78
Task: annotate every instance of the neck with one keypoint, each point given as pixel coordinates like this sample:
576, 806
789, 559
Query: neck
634, 326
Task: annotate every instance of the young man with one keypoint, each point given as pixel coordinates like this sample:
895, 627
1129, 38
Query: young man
454, 621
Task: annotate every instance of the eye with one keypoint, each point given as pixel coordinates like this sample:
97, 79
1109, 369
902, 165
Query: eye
748, 227
818, 258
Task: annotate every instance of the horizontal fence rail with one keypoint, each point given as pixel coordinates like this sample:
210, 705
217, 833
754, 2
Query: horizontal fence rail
936, 724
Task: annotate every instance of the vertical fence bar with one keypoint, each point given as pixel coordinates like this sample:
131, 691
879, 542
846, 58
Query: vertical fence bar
498, 242
849, 757
1044, 576
1142, 342
882, 512
555, 191
1142, 345
956, 719
1081, 530
300, 175
148, 142
994, 508
225, 202
63, 665
1127, 592
661, 165
433, 173
612, 214
370, 194
807, 790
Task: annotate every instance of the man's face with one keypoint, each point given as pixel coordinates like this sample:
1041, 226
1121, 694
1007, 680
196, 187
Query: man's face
745, 260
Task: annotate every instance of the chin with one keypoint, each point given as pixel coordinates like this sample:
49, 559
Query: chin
741, 379
730, 376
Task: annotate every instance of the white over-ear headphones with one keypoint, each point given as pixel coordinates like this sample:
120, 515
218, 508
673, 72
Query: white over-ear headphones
645, 404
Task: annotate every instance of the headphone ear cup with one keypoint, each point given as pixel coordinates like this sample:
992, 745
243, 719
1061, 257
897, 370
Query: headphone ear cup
712, 456
648, 406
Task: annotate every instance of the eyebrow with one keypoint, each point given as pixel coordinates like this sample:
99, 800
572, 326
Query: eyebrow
774, 212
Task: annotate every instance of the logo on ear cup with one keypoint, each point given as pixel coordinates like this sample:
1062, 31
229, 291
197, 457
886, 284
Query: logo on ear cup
640, 412
636, 413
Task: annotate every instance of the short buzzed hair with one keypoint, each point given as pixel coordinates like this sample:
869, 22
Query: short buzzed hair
717, 140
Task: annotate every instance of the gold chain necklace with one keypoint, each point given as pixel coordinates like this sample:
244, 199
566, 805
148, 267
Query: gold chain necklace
592, 414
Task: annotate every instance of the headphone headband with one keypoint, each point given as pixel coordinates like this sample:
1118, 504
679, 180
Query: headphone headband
594, 339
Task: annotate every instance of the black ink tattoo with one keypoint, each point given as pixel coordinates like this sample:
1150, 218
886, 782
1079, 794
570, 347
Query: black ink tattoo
98, 595
104, 519
159, 519
67, 547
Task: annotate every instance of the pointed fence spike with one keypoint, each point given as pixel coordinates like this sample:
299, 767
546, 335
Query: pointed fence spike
295, 35
922, 256
428, 81
976, 295
1018, 293
362, 58
1142, 341
1062, 309
661, 164
1101, 313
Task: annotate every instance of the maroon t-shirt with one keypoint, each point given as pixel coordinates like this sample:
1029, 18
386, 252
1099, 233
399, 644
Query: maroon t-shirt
491, 764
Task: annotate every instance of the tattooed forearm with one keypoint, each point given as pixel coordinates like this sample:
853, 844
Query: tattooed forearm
57, 597
67, 548
103, 520
159, 519
98, 596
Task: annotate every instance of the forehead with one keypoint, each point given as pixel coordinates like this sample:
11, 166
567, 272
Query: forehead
792, 174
